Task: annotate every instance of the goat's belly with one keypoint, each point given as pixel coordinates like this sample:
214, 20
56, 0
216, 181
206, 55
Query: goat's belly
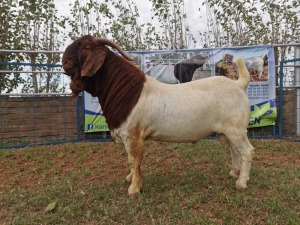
182, 126
179, 139
179, 135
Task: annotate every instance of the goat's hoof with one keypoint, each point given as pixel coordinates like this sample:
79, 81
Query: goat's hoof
241, 185
133, 190
234, 173
128, 178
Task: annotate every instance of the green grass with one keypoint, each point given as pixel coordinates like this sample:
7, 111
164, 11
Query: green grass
182, 184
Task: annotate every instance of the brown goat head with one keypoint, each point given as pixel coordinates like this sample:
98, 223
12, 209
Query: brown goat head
84, 57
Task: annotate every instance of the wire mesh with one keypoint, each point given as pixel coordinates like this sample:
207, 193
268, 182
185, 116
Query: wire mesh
51, 115
43, 119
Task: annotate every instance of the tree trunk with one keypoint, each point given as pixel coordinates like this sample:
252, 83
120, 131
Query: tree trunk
34, 73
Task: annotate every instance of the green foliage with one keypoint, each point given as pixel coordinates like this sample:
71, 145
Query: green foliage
255, 22
35, 25
32, 25
172, 18
120, 21
113, 19
7, 41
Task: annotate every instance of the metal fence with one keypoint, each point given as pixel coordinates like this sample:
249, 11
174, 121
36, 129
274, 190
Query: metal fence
28, 118
289, 100
38, 119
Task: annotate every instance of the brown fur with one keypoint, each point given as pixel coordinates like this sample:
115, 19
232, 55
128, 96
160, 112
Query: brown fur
120, 89
117, 83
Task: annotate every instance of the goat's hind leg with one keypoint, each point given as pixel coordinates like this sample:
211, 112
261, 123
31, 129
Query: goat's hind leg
235, 156
241, 144
236, 162
247, 152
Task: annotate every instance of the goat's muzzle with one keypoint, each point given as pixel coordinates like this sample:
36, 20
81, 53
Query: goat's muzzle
77, 86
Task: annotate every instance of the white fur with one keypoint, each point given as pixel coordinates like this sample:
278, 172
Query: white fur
187, 112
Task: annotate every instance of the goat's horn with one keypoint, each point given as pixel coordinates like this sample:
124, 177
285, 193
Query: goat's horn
105, 41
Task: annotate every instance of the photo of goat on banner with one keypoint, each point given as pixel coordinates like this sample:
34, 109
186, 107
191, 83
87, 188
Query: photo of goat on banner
172, 71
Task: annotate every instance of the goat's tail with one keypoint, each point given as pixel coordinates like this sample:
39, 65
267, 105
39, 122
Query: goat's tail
244, 75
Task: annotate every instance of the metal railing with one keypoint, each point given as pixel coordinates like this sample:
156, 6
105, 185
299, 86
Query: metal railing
265, 132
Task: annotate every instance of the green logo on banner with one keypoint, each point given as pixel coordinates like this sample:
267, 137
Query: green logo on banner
95, 123
263, 115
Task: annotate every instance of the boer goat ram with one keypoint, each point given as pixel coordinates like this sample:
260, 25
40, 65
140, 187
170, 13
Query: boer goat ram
139, 108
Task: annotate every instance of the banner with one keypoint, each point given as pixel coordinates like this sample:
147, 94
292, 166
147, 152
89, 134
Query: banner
94, 120
200, 63
261, 92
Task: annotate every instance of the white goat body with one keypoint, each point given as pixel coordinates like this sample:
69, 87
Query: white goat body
188, 112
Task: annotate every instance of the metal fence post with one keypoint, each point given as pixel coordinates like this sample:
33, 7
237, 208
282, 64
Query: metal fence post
297, 84
280, 98
78, 117
83, 115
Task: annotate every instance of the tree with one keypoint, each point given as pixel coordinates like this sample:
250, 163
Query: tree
8, 81
40, 28
255, 22
172, 18
32, 25
119, 20
251, 22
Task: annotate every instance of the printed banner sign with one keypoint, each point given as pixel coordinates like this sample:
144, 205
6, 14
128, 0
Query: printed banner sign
259, 60
94, 120
261, 92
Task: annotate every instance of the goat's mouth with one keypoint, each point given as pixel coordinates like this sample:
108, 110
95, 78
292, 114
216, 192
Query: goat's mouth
77, 86
75, 93
68, 66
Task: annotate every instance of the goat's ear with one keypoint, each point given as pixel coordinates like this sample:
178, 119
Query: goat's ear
93, 62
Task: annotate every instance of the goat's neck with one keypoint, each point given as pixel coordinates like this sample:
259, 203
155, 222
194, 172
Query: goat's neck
118, 85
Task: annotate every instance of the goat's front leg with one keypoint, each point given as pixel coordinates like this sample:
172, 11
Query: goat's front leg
134, 149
